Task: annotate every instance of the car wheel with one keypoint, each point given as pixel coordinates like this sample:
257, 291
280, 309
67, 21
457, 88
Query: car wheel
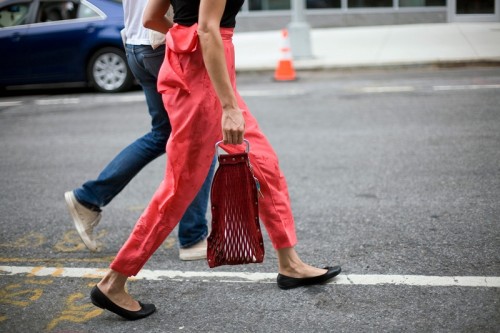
108, 71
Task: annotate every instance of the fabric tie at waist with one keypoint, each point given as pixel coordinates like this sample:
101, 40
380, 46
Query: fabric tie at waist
181, 40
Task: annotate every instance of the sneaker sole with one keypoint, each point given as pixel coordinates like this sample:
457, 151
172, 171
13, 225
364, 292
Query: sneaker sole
69, 198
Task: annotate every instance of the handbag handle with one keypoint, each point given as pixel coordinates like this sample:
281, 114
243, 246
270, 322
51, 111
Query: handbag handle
217, 146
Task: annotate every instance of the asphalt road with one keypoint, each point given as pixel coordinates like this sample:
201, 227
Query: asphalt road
392, 174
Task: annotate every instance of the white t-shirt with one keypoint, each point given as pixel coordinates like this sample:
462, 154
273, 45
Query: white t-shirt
135, 33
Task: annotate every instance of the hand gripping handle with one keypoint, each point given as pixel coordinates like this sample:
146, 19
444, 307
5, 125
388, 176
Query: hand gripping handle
217, 146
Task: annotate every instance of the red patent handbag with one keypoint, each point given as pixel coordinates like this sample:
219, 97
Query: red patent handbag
236, 237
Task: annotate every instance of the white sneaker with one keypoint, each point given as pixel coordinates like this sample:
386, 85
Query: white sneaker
196, 252
85, 220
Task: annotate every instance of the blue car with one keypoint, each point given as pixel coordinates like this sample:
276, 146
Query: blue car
67, 43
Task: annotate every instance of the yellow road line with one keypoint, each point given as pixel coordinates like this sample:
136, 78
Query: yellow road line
55, 260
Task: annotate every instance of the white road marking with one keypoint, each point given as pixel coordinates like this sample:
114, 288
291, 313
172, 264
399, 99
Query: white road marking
264, 93
372, 90
10, 103
139, 98
467, 87
242, 277
123, 99
250, 93
57, 101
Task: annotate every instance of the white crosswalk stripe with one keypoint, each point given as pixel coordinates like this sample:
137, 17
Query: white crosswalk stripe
244, 277
139, 97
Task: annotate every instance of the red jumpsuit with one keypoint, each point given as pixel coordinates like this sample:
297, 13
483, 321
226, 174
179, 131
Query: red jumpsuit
195, 115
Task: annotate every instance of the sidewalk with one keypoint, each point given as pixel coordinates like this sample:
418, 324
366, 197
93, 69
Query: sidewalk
378, 46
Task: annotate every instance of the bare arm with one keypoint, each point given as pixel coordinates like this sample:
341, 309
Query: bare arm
210, 14
154, 16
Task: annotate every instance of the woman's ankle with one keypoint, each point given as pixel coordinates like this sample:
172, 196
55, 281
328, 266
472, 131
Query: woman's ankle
289, 261
113, 282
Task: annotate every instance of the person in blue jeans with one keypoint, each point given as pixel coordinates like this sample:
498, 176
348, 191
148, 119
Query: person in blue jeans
85, 203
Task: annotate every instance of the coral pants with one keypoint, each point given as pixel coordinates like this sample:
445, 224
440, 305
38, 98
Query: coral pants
195, 115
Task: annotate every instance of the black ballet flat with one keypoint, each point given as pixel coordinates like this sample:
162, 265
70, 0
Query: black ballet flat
102, 301
286, 282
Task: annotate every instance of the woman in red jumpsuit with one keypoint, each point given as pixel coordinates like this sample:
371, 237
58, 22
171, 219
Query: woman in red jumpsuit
198, 84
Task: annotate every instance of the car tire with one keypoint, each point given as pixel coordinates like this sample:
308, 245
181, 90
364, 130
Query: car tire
108, 71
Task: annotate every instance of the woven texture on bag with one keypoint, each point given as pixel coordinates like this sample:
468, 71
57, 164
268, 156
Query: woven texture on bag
236, 237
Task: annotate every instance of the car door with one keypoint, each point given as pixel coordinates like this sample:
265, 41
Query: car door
15, 17
56, 41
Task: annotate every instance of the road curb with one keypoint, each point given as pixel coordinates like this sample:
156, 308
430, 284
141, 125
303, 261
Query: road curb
385, 66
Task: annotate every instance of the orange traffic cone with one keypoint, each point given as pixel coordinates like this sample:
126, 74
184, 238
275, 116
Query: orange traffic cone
285, 70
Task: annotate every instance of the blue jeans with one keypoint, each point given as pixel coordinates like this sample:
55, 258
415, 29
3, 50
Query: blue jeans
145, 64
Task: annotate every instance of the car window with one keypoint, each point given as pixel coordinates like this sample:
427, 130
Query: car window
14, 15
85, 11
64, 10
50, 11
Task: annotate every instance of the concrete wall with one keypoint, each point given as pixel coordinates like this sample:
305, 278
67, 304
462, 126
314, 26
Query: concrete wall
327, 19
